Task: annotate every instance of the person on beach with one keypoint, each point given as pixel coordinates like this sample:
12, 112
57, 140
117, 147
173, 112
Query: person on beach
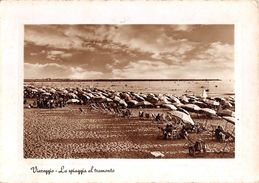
168, 130
183, 133
158, 117
141, 114
219, 133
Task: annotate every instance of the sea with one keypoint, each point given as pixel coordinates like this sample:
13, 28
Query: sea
175, 87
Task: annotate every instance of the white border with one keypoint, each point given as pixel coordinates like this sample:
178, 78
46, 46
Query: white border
243, 14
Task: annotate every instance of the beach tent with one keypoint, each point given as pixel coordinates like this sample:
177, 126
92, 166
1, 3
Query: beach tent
183, 116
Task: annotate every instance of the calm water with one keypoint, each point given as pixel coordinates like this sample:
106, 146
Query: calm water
216, 88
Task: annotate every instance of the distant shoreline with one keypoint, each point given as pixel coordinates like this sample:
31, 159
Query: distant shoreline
105, 80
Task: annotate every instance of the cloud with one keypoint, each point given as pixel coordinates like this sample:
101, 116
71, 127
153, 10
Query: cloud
53, 70
128, 51
53, 36
195, 69
217, 53
186, 28
149, 38
57, 55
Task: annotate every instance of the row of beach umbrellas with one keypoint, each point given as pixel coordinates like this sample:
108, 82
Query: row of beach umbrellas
180, 105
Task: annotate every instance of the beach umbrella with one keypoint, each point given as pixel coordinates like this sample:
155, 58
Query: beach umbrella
140, 98
183, 116
219, 99
72, 95
123, 103
99, 97
65, 91
109, 100
117, 99
73, 101
229, 119
33, 90
226, 112
183, 110
152, 99
174, 99
184, 99
47, 94
200, 104
169, 106
132, 102
41, 90
159, 103
191, 107
178, 104
86, 96
212, 102
208, 111
90, 95
144, 103
52, 90
226, 104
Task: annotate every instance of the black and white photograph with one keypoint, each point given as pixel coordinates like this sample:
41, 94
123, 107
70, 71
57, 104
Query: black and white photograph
129, 91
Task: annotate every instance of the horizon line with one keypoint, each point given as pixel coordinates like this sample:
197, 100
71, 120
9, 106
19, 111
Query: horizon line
57, 79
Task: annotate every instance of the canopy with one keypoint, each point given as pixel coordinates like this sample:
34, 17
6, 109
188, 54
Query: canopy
183, 116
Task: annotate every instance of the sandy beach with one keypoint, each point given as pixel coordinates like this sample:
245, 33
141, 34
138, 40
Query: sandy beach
69, 133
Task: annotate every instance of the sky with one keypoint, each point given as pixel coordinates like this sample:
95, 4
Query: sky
129, 51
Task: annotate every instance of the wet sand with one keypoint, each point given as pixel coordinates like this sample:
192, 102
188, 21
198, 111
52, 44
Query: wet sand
69, 133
